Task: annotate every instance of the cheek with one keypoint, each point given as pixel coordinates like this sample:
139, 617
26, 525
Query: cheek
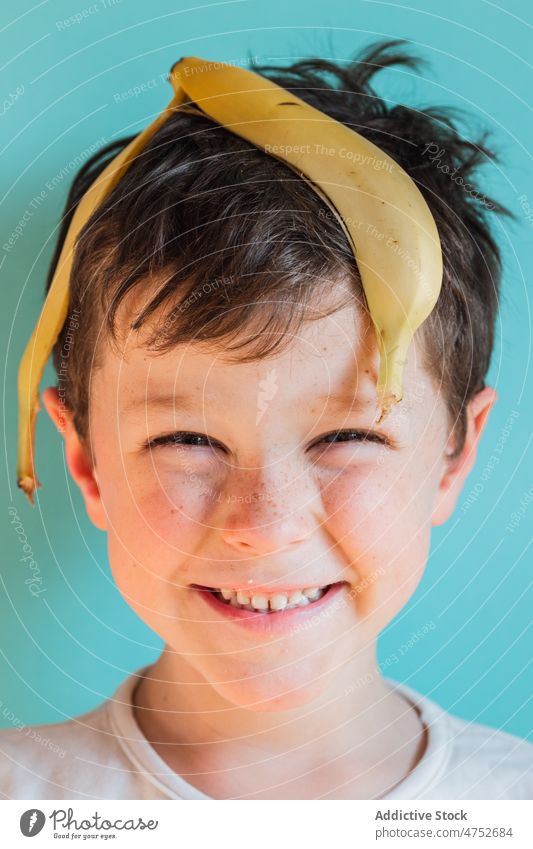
177, 509
158, 516
155, 546
380, 518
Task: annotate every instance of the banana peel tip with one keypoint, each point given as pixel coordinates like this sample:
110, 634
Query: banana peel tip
28, 485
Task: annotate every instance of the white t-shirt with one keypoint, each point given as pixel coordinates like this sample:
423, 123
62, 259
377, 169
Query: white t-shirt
102, 754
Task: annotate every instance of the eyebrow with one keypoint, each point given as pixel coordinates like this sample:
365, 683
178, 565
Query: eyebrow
338, 402
176, 401
342, 401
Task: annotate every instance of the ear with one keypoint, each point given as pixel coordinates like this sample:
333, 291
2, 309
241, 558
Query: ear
456, 471
79, 461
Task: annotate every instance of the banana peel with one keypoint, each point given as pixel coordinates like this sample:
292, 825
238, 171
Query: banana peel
384, 215
386, 219
55, 307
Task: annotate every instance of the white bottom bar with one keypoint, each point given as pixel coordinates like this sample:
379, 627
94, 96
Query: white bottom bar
262, 824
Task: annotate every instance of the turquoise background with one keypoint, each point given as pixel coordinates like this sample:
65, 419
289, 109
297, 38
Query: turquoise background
65, 650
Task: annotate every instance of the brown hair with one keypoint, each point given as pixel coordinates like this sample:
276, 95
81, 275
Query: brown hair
240, 243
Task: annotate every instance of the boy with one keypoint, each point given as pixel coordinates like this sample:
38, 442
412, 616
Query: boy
218, 407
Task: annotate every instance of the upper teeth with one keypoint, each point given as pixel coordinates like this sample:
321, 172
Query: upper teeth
273, 602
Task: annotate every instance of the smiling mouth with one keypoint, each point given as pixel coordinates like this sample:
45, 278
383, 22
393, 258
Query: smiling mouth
268, 603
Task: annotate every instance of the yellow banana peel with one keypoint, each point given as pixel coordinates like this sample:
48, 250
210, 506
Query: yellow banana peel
386, 219
55, 307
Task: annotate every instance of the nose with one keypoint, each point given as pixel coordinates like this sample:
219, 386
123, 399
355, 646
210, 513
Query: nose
263, 517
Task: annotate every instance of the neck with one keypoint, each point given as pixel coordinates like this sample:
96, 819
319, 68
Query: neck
358, 719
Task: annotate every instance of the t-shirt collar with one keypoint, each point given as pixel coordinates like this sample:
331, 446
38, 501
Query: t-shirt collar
153, 768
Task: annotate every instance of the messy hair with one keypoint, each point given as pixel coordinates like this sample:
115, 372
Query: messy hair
234, 248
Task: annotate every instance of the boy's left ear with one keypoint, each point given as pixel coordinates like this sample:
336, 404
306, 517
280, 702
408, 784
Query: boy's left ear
456, 471
78, 457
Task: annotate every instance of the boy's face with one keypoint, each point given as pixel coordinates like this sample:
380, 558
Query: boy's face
274, 502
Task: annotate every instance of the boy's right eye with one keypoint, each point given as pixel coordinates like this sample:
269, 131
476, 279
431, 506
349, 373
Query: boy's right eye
182, 438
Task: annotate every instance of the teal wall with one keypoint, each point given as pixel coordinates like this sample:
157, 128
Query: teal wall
66, 649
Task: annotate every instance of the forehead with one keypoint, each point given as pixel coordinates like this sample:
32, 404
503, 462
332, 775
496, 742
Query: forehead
333, 359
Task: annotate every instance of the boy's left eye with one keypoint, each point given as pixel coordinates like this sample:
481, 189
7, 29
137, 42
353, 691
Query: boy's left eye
353, 435
194, 439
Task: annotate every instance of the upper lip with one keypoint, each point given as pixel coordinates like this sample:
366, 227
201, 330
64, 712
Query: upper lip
267, 589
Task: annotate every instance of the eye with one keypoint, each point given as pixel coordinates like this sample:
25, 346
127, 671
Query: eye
200, 440
353, 436
182, 437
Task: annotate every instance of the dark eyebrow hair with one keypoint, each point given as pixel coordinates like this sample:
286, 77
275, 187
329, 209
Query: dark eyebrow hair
337, 402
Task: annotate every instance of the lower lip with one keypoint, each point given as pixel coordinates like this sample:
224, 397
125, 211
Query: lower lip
283, 620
